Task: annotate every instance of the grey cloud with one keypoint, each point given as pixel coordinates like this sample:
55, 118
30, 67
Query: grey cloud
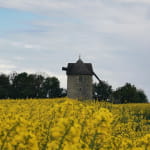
111, 35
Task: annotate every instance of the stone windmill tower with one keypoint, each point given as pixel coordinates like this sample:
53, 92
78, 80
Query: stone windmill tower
79, 80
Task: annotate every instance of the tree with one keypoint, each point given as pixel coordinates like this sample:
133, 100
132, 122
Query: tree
63, 92
102, 90
4, 86
35, 86
20, 85
38, 85
129, 94
141, 97
24, 85
51, 87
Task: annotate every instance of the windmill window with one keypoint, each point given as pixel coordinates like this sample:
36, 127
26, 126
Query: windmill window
80, 78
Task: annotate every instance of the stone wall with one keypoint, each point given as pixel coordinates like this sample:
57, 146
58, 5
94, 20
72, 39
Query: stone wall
79, 87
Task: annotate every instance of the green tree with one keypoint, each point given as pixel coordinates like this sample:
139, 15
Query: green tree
4, 86
102, 90
20, 85
52, 88
129, 94
38, 85
25, 85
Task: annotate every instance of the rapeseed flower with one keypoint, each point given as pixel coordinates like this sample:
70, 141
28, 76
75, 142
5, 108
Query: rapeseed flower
67, 124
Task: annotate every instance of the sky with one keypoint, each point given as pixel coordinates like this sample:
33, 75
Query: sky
42, 36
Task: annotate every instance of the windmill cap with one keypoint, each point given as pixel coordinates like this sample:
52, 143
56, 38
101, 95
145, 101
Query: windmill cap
79, 68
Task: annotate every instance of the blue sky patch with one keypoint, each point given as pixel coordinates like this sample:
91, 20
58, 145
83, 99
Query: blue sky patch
12, 19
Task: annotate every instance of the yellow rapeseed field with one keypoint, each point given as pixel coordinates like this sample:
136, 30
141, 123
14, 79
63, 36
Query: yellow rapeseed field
66, 124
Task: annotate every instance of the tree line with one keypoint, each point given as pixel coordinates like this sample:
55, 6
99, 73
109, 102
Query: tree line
24, 85
125, 94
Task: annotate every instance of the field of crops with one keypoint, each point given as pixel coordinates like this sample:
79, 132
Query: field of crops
65, 124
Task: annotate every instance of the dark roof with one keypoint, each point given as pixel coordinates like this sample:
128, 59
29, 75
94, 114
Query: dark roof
79, 68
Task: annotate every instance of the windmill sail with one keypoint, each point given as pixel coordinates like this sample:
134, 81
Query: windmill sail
97, 77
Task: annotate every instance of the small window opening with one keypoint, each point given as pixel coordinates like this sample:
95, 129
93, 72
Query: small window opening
80, 78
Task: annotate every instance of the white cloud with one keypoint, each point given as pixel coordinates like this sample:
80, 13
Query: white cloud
134, 1
18, 58
4, 66
35, 5
112, 35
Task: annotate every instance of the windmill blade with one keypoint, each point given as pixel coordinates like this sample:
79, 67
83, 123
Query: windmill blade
97, 77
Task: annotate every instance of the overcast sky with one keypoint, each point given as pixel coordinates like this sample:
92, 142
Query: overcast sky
44, 35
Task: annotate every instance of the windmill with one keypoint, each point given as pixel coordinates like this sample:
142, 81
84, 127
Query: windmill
79, 80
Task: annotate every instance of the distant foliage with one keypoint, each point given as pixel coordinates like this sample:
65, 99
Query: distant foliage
129, 94
102, 91
5, 86
25, 85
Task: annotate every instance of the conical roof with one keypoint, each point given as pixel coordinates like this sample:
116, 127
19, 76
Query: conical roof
79, 68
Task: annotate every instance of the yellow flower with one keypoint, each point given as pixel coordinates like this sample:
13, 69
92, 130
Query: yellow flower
63, 123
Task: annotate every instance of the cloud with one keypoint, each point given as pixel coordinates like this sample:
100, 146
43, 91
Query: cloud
134, 1
34, 5
18, 58
26, 45
4, 66
113, 35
